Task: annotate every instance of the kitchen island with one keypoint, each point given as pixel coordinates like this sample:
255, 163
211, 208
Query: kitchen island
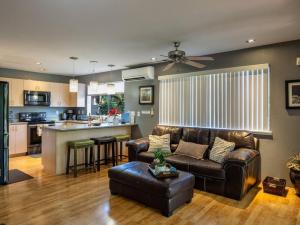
55, 139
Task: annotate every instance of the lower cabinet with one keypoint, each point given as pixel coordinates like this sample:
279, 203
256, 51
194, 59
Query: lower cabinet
17, 139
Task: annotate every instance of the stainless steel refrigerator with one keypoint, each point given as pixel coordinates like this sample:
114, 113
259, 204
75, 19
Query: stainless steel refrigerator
4, 132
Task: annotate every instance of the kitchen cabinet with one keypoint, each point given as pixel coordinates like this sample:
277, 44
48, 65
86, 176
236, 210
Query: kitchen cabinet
34, 85
60, 95
17, 139
78, 99
16, 87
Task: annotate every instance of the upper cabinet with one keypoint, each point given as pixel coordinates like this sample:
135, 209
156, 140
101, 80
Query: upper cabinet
78, 99
16, 87
60, 94
62, 97
34, 85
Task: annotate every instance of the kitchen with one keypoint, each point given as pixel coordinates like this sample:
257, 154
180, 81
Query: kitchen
36, 105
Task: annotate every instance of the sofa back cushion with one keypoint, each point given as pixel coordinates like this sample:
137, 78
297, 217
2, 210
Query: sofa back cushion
196, 135
242, 139
175, 133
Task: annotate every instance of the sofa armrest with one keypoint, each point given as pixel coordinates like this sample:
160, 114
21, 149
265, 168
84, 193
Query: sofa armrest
243, 171
241, 156
137, 146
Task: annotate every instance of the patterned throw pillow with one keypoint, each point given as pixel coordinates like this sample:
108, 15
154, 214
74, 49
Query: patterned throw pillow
220, 149
191, 149
161, 142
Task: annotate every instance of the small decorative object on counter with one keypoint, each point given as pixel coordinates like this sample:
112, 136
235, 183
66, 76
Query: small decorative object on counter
274, 185
294, 165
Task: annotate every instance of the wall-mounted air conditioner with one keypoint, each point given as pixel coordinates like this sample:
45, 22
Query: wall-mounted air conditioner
143, 73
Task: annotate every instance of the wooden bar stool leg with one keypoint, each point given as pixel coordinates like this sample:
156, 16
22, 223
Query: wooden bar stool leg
93, 157
121, 150
116, 149
113, 153
75, 162
105, 152
98, 157
68, 160
86, 157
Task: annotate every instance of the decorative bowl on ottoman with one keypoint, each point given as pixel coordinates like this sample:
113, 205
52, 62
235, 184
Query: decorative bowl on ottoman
134, 181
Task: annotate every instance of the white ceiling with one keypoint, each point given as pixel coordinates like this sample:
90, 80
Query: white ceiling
124, 32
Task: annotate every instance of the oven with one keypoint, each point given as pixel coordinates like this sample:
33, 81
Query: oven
36, 121
37, 98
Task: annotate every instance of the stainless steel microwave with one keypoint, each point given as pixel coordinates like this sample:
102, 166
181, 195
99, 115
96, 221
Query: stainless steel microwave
37, 98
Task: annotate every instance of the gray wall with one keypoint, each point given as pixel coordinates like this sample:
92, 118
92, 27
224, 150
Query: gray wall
285, 124
52, 113
19, 74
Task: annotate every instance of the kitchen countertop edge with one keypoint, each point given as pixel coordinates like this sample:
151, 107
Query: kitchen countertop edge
84, 127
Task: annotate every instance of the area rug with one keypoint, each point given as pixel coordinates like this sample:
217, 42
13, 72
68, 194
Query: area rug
17, 176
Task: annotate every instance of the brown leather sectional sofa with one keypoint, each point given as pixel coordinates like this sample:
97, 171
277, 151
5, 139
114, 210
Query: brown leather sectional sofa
239, 172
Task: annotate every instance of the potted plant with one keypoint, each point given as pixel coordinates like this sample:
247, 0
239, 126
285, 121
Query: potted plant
294, 165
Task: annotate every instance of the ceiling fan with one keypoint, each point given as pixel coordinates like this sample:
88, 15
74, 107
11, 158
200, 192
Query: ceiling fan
178, 56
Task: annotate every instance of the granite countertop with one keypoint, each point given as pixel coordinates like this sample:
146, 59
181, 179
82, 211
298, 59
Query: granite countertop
17, 123
74, 127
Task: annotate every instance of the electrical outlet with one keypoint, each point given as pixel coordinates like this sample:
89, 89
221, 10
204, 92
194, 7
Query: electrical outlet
298, 61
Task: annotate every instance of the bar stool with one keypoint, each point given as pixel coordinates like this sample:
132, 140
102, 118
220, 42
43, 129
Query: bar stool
107, 141
77, 145
119, 140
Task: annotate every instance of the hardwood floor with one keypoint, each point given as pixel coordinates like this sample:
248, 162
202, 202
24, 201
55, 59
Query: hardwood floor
85, 200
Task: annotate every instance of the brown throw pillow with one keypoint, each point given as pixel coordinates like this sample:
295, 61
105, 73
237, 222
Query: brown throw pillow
191, 149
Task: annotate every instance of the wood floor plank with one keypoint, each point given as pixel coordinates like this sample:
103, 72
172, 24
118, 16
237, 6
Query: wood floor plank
60, 200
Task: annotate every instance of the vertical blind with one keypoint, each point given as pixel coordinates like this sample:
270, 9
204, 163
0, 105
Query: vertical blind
232, 98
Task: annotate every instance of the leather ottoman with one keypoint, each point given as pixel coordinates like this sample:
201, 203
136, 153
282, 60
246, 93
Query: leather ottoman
134, 181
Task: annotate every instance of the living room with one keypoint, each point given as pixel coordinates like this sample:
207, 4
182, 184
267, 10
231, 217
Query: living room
187, 75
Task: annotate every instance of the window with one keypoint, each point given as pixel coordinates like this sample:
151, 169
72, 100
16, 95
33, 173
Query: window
234, 98
105, 97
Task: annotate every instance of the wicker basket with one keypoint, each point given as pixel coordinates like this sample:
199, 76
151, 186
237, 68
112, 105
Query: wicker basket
274, 185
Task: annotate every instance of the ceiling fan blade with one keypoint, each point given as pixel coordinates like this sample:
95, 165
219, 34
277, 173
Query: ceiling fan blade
169, 66
194, 64
199, 58
164, 56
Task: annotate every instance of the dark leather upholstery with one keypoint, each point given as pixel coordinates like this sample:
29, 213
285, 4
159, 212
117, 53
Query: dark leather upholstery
242, 139
240, 171
103, 140
175, 133
133, 180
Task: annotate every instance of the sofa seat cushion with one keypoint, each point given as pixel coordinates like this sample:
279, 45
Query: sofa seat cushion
145, 157
207, 168
180, 162
203, 168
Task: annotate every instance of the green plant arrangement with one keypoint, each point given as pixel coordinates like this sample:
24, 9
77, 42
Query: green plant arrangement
294, 162
160, 157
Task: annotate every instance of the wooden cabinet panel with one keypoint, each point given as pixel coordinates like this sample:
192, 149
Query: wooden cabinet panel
15, 91
17, 139
78, 99
12, 140
34, 85
60, 95
21, 138
16, 95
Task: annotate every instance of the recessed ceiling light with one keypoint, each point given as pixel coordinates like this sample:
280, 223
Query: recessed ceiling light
250, 41
153, 59
38, 63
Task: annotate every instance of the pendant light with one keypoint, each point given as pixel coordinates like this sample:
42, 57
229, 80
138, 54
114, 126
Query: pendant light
73, 84
110, 87
93, 84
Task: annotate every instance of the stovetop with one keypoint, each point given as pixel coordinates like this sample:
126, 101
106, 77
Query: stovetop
34, 118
